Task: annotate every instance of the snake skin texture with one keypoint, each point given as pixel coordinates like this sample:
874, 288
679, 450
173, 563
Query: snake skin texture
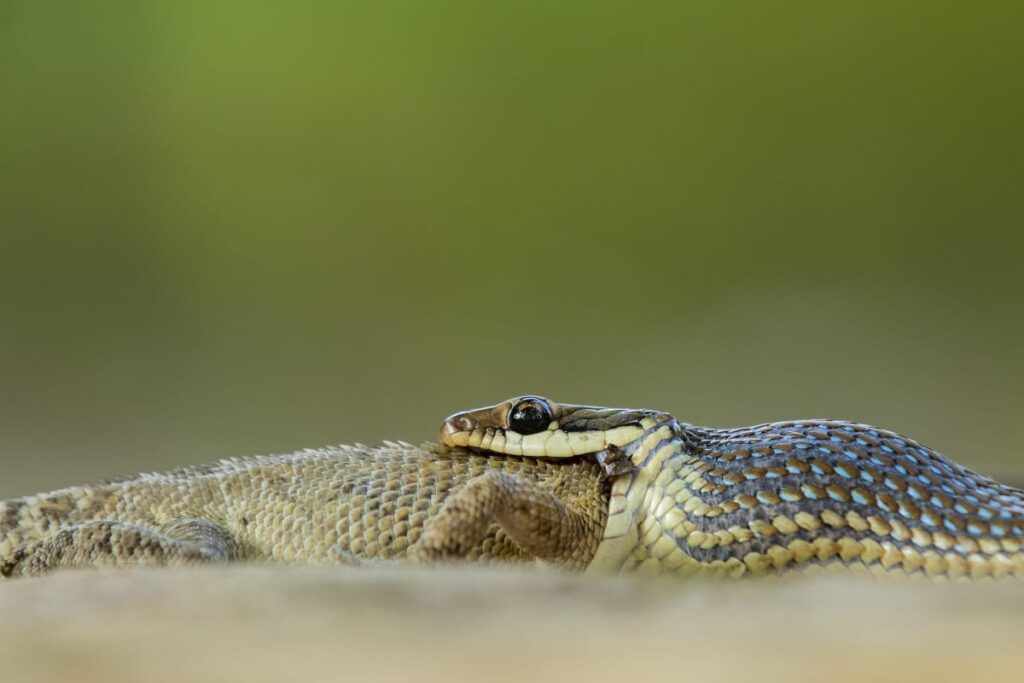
810, 495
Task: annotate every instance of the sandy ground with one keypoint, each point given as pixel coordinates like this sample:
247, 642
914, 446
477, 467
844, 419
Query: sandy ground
470, 624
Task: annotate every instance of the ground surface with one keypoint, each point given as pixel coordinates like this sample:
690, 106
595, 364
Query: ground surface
273, 624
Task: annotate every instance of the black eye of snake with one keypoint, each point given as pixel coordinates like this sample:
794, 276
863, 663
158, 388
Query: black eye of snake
529, 417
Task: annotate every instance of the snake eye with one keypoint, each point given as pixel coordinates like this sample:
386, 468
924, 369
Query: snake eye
529, 416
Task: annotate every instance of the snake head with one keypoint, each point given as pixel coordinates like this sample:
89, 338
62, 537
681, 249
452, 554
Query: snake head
537, 427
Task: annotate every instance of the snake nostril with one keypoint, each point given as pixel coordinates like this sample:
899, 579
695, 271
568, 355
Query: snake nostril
459, 424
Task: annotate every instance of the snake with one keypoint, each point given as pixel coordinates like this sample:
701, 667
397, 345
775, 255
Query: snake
801, 495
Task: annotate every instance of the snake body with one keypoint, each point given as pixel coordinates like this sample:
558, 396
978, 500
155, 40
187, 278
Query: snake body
803, 495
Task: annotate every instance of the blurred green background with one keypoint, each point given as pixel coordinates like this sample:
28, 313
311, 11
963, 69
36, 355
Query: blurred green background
230, 228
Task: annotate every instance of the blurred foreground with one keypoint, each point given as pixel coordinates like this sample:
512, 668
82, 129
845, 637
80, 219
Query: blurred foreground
467, 624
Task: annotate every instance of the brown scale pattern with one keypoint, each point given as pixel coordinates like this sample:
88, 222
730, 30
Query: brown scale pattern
338, 504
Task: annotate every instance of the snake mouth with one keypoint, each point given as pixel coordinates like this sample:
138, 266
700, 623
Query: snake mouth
554, 444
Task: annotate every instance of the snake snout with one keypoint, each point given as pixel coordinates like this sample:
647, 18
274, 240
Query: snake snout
456, 424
